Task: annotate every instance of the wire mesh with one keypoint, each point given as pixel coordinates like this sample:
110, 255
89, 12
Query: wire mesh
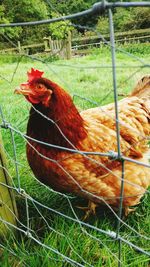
50, 224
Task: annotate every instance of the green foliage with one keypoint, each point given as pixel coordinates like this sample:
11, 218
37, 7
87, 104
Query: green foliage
25, 10
11, 32
74, 6
122, 19
137, 48
59, 30
125, 19
13, 58
21, 11
103, 25
142, 17
132, 18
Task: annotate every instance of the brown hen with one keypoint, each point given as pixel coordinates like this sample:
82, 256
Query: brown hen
55, 120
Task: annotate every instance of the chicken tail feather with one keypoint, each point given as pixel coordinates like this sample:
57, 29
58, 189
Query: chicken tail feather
142, 89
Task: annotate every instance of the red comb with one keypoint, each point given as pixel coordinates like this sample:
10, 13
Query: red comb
34, 74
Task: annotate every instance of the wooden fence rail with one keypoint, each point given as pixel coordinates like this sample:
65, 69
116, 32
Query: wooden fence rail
127, 34
71, 46
54, 47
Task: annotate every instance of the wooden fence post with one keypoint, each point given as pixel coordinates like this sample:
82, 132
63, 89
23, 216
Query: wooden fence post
8, 209
19, 47
46, 43
125, 40
68, 46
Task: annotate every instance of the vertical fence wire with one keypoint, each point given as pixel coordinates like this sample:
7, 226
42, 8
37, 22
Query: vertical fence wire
15, 158
113, 56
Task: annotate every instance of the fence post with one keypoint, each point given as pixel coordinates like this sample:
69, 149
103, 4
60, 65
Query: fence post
46, 44
125, 40
68, 46
19, 47
8, 209
50, 43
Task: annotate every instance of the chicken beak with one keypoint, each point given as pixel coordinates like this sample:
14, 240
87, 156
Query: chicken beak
23, 89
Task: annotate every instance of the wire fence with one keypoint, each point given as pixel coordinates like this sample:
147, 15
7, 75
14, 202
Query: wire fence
49, 223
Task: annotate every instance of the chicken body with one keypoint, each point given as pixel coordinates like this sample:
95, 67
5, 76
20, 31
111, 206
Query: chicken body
92, 176
97, 178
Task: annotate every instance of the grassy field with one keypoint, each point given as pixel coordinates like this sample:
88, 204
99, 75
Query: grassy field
86, 78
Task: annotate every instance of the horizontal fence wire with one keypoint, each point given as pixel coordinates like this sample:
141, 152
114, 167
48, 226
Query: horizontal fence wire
114, 234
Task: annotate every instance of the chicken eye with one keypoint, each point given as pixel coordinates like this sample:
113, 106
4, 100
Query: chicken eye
39, 86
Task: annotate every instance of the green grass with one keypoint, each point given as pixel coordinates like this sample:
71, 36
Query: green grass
62, 234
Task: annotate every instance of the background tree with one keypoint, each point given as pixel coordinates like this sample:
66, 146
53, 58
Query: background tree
31, 10
73, 6
21, 11
126, 19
